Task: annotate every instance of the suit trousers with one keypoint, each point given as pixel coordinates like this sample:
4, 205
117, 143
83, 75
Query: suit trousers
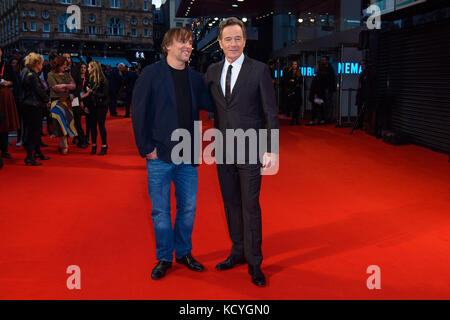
240, 185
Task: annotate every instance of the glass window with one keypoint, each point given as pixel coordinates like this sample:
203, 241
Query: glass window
115, 3
92, 18
66, 1
46, 27
145, 21
146, 33
24, 26
32, 13
145, 5
45, 14
133, 21
91, 3
115, 27
92, 30
24, 13
133, 33
62, 24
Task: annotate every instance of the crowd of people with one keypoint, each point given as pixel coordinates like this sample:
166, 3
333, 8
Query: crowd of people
321, 94
60, 93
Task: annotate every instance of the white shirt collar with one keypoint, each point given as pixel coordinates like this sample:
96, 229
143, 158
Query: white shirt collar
238, 62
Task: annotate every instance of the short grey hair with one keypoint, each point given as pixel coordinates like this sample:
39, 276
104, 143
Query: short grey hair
231, 22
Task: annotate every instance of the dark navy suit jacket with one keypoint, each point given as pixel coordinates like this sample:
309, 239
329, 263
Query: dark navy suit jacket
154, 108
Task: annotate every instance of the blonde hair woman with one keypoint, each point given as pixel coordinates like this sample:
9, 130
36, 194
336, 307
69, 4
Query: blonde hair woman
97, 105
35, 100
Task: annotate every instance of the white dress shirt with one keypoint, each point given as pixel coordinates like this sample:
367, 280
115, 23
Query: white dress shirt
237, 64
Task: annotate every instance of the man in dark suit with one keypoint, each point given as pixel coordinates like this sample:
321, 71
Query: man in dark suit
244, 98
167, 97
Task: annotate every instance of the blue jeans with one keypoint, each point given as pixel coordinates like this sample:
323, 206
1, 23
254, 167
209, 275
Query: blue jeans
185, 179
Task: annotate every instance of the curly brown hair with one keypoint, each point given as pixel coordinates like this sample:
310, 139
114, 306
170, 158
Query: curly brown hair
57, 62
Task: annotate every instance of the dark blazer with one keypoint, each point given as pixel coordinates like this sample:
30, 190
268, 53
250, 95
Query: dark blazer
34, 93
252, 104
154, 109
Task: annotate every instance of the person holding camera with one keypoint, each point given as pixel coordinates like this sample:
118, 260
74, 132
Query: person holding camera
97, 105
35, 101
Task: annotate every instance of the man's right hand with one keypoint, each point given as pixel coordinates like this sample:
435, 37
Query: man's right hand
153, 155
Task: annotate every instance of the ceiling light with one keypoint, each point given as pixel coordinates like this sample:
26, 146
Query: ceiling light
240, 0
216, 18
234, 5
300, 20
312, 20
244, 19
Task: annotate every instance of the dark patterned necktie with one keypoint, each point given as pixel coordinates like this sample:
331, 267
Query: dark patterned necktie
228, 83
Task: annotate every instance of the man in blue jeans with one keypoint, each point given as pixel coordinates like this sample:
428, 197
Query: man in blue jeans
167, 96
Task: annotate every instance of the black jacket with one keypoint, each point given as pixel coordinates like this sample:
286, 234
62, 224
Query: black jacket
34, 93
99, 98
252, 104
154, 108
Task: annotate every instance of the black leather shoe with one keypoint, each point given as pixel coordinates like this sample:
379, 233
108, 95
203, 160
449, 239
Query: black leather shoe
103, 151
40, 156
160, 270
94, 149
189, 261
32, 162
6, 155
230, 263
44, 145
258, 277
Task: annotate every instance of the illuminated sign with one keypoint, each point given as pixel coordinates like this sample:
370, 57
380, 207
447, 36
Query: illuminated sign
349, 68
344, 68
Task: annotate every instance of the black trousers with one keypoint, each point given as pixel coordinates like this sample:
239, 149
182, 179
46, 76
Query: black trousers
113, 102
318, 109
97, 118
295, 102
20, 114
77, 112
32, 121
4, 141
240, 186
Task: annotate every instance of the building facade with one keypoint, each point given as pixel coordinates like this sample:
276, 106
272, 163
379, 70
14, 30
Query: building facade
115, 28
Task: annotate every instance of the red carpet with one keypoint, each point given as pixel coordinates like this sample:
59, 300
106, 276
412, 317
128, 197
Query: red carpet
339, 204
